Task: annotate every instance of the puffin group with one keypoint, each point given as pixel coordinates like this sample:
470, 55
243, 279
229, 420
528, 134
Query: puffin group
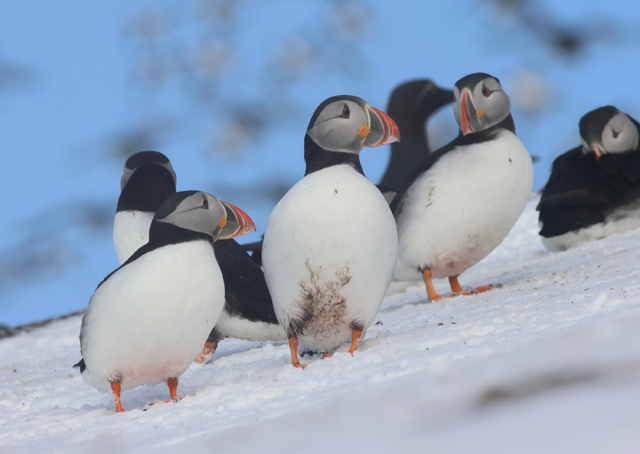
335, 241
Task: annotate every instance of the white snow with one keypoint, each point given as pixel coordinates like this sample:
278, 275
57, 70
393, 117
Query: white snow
550, 363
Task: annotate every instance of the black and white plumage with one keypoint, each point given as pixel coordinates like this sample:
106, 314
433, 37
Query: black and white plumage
248, 313
410, 105
148, 179
330, 244
594, 189
147, 321
463, 200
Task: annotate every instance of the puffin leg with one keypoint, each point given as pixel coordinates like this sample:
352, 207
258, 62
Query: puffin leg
207, 351
115, 391
431, 291
355, 337
327, 355
173, 388
457, 288
293, 346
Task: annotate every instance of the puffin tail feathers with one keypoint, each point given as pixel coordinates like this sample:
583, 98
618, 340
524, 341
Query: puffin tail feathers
81, 364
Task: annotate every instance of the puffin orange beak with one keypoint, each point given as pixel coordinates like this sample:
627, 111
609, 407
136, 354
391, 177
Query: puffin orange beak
383, 129
237, 222
598, 150
464, 115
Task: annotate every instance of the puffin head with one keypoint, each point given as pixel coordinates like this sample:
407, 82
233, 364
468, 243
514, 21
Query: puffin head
608, 130
479, 103
143, 158
347, 123
201, 212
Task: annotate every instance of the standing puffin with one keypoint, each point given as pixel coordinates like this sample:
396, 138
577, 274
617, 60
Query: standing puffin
330, 244
464, 198
147, 181
410, 105
594, 189
248, 313
147, 320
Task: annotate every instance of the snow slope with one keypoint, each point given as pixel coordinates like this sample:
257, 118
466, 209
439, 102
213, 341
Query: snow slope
549, 363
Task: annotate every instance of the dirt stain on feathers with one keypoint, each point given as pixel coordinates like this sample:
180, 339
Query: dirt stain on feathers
324, 305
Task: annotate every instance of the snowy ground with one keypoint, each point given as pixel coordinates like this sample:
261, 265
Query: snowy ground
548, 364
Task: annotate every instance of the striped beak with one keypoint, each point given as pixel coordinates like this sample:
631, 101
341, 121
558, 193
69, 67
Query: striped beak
237, 222
383, 129
465, 115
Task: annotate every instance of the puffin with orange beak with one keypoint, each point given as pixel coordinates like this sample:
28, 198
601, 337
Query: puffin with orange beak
148, 179
147, 320
464, 198
594, 189
330, 244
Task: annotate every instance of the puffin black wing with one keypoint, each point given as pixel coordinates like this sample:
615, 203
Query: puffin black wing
246, 291
582, 191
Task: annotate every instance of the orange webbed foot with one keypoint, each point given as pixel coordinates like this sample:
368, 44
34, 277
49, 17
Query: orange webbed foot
205, 355
486, 288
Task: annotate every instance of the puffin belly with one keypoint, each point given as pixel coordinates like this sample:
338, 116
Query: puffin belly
130, 232
149, 320
329, 253
462, 208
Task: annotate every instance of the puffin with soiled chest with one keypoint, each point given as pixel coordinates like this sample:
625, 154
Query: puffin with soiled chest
248, 313
594, 189
464, 198
330, 244
147, 320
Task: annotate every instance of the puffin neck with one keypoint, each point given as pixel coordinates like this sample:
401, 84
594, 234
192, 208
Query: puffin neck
317, 158
147, 188
487, 134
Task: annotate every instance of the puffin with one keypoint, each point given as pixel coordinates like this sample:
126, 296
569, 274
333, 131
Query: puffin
148, 179
330, 245
594, 189
411, 104
147, 320
463, 199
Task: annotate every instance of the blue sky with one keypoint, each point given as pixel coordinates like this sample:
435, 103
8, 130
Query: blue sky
81, 91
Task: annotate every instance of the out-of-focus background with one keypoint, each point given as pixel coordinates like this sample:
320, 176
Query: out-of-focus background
225, 88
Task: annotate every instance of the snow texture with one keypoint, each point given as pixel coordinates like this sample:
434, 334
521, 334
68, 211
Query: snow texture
548, 363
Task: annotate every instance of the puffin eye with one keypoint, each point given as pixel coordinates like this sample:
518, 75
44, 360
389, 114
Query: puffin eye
485, 91
615, 133
205, 203
345, 112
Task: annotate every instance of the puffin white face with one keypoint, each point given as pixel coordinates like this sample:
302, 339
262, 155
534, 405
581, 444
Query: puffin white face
201, 212
346, 124
608, 130
137, 160
619, 134
479, 103
341, 126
